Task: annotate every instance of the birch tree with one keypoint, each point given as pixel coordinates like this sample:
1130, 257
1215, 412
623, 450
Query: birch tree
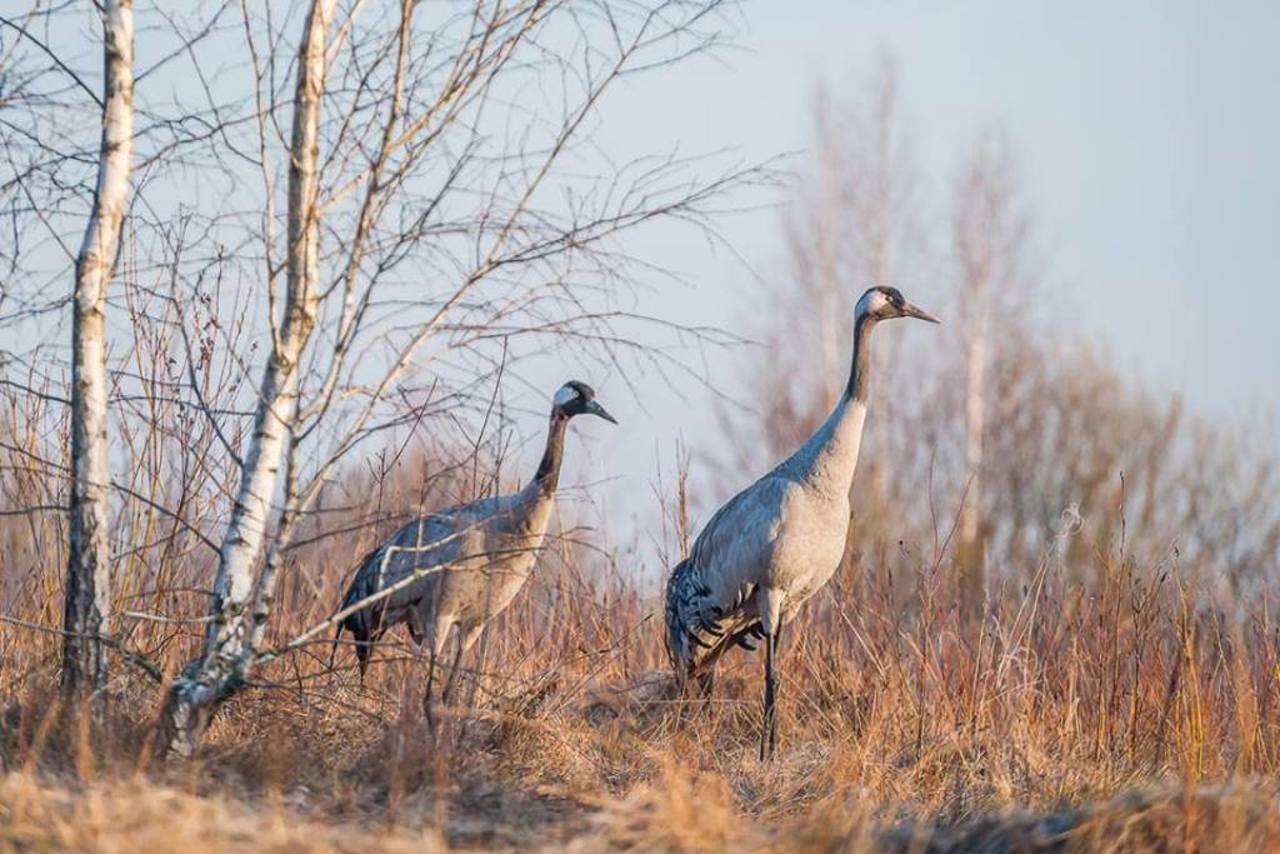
987, 233
88, 584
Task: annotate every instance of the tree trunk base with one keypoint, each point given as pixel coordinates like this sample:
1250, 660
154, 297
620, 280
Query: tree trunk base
190, 708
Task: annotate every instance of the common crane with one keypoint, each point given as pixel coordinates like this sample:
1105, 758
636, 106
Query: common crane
775, 543
463, 565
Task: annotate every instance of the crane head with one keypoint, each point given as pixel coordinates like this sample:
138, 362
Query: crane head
881, 303
578, 398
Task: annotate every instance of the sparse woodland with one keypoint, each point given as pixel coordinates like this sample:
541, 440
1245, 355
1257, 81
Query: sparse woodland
275, 278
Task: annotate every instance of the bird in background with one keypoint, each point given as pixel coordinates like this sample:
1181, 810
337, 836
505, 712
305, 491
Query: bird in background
461, 566
777, 542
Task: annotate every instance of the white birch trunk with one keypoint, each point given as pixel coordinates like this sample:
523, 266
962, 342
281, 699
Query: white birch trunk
975, 415
227, 655
989, 232
88, 586
982, 237
972, 549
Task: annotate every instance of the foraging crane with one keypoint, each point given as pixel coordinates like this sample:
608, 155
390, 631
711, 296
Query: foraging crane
463, 565
777, 542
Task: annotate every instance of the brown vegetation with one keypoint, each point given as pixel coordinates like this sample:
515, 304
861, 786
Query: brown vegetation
903, 720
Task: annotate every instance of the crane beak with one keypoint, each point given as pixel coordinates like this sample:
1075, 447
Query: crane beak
596, 409
909, 310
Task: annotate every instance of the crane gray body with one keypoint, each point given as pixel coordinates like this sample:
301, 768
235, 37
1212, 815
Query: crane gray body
777, 542
768, 549
463, 565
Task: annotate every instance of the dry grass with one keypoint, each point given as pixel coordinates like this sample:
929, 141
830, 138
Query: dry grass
143, 816
1135, 715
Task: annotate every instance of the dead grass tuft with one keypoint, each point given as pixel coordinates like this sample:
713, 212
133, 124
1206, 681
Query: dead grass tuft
139, 816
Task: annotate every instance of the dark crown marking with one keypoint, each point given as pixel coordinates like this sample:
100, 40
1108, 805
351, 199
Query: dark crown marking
584, 391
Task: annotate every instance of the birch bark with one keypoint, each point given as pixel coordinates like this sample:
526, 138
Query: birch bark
975, 417
87, 605
979, 231
227, 653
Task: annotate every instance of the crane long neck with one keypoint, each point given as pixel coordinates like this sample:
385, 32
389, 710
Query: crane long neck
828, 460
856, 389
547, 477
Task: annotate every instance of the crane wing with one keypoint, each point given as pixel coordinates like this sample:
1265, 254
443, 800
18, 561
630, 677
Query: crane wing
710, 595
405, 561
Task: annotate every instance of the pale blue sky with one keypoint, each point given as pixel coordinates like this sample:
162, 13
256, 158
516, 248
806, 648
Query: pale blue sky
1147, 136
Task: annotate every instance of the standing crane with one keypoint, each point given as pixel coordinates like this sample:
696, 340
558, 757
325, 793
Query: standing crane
777, 542
463, 565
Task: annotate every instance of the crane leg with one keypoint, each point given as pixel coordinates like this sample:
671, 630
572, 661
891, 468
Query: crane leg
453, 670
769, 727
426, 697
435, 634
705, 684
769, 603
